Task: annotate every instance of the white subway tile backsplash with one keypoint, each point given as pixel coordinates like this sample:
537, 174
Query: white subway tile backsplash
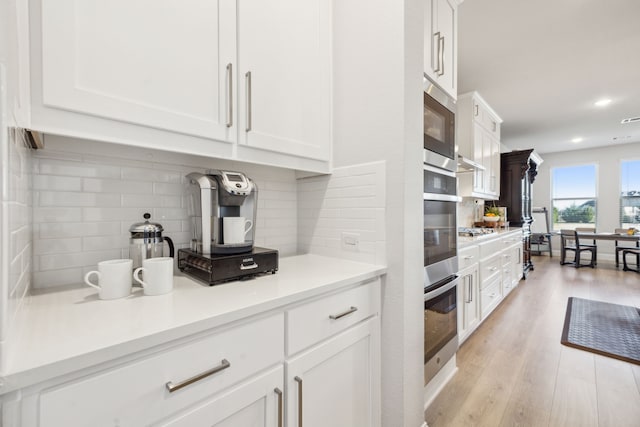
80, 259
94, 185
44, 214
352, 200
97, 243
57, 183
168, 188
66, 198
55, 246
53, 278
114, 193
78, 229
150, 175
49, 166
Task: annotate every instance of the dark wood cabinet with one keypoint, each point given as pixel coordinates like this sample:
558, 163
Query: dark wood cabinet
518, 170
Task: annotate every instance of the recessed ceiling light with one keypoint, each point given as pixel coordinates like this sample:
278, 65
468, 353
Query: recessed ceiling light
602, 102
576, 140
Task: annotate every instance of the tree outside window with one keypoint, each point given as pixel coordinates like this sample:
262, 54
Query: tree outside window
574, 200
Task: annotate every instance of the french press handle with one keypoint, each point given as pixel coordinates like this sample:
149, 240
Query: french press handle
170, 243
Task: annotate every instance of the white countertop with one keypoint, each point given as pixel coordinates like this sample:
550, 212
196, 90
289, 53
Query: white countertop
63, 330
464, 241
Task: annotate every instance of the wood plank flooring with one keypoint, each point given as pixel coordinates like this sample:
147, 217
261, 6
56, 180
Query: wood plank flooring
513, 371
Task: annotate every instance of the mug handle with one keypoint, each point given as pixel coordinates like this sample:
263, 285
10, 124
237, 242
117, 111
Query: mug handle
86, 279
171, 248
136, 276
250, 226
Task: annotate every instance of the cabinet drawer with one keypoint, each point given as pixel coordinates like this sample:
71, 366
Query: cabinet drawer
490, 268
490, 296
491, 248
137, 393
312, 322
468, 256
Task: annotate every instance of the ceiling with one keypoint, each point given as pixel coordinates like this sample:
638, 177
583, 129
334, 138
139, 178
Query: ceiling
542, 64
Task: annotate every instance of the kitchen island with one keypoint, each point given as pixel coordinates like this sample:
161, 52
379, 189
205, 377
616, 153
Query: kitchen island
69, 345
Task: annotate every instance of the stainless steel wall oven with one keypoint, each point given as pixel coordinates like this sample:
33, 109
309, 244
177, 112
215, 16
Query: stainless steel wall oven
440, 232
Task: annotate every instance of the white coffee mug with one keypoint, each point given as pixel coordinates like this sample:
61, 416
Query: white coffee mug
158, 275
113, 278
235, 229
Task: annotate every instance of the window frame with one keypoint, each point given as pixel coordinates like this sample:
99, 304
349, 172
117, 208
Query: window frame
556, 226
620, 196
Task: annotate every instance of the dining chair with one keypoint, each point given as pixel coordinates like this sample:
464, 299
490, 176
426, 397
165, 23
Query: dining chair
587, 230
619, 248
570, 242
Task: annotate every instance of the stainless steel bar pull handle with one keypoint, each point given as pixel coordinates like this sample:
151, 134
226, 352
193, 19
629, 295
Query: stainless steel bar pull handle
247, 78
436, 39
338, 316
224, 364
299, 381
229, 95
280, 414
441, 50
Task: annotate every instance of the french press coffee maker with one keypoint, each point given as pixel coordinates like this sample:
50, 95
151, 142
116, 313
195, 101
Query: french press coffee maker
147, 241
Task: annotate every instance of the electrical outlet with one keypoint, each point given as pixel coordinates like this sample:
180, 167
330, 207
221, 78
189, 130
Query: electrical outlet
351, 241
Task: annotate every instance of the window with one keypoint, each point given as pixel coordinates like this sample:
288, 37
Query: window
573, 196
630, 194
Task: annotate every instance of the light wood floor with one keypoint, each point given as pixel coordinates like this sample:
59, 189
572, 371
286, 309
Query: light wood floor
513, 371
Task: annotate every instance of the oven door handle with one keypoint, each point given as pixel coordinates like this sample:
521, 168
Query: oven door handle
441, 197
445, 285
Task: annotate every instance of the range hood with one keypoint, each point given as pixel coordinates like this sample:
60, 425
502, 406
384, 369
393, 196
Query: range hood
468, 165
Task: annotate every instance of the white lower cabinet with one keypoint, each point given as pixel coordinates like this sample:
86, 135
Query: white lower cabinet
241, 375
468, 302
335, 384
138, 393
258, 402
495, 274
490, 295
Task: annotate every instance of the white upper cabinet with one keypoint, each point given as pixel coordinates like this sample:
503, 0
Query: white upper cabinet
247, 80
478, 139
284, 52
139, 61
441, 44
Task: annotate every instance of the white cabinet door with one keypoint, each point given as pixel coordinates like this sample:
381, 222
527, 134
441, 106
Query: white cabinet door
337, 383
255, 403
284, 59
494, 161
468, 302
440, 43
157, 64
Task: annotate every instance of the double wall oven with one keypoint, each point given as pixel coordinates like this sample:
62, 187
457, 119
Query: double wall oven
440, 231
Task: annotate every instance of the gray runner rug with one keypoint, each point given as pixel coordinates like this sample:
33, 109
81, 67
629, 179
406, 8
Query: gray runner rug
608, 329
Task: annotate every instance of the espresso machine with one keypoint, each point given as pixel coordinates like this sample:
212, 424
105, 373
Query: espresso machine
222, 207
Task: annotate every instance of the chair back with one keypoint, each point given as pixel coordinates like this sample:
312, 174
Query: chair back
569, 237
586, 230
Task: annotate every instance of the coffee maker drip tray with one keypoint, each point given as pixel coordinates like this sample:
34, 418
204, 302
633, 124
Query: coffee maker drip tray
219, 268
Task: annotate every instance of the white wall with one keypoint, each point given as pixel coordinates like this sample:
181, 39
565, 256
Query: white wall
607, 161
378, 117
87, 195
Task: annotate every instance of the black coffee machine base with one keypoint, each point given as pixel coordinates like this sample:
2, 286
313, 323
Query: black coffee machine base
218, 268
